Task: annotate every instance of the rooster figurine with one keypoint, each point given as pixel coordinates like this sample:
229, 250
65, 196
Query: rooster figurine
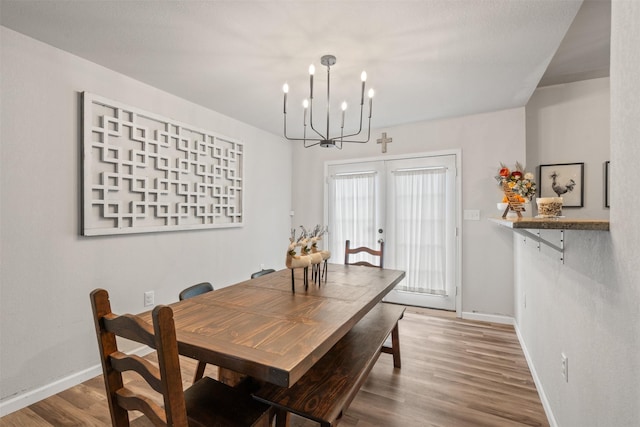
561, 189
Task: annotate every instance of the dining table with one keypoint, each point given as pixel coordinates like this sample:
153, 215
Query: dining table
263, 329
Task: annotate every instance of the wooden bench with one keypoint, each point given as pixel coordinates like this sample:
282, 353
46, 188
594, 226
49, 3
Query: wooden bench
327, 389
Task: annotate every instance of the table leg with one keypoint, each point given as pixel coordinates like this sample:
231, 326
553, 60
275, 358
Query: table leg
229, 377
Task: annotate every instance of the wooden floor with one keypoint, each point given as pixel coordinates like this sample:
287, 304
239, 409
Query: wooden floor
455, 373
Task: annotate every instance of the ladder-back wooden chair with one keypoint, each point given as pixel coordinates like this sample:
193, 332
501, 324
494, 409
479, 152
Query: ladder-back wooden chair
379, 253
190, 292
394, 347
206, 403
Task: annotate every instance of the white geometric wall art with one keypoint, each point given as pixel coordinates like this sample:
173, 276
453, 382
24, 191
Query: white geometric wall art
145, 173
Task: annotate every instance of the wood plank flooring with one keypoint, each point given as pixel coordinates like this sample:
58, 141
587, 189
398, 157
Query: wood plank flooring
455, 373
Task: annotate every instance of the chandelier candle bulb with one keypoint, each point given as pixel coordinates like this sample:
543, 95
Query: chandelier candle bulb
344, 108
312, 71
305, 105
285, 89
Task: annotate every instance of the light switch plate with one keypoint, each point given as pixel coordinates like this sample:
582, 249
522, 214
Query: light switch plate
472, 215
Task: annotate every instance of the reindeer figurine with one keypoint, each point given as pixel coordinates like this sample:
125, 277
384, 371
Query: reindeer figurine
294, 261
317, 234
316, 257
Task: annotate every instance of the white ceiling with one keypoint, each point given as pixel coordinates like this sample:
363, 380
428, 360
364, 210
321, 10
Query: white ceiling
425, 59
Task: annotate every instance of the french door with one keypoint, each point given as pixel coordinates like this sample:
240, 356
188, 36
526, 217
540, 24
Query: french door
410, 204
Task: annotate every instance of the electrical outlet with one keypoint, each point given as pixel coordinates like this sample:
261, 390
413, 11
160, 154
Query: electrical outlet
565, 366
148, 298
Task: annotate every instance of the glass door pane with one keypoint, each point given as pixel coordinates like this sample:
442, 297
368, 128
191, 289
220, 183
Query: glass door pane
356, 194
421, 230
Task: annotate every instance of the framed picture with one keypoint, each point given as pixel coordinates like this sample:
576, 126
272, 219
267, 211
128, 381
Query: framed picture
607, 179
564, 180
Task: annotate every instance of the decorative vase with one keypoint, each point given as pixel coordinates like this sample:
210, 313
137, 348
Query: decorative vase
549, 207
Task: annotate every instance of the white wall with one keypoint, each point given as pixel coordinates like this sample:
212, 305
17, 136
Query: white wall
589, 308
485, 140
569, 123
47, 269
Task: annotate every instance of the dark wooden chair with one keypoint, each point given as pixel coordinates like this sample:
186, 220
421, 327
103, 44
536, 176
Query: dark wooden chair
262, 272
190, 292
393, 347
206, 403
348, 251
195, 290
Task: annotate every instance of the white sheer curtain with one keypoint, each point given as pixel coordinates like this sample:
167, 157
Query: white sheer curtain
353, 214
420, 220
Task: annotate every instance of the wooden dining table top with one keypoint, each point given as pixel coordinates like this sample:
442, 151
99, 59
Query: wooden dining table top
261, 328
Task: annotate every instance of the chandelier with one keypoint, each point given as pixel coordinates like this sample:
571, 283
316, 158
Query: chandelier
324, 139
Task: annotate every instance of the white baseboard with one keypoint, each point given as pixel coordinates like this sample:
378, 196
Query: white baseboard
482, 317
536, 380
30, 397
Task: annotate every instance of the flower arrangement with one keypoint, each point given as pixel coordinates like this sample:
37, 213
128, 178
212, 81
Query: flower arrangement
522, 183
